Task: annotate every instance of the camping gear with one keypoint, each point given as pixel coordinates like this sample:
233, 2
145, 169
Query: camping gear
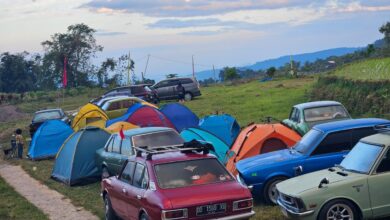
89, 115
124, 117
258, 139
75, 161
220, 147
48, 139
181, 116
117, 126
146, 116
223, 126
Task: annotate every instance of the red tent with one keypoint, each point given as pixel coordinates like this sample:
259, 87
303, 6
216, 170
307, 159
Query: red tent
147, 116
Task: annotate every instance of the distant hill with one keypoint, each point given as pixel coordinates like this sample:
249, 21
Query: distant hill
278, 62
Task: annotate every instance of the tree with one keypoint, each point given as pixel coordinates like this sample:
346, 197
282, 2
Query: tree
229, 73
271, 71
385, 30
78, 45
102, 74
171, 75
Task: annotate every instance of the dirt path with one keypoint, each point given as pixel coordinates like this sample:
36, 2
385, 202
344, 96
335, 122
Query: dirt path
52, 203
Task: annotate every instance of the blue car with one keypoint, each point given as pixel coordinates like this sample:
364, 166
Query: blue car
322, 147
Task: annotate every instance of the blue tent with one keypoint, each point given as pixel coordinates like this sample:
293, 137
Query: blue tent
180, 116
48, 139
220, 147
223, 126
75, 162
124, 117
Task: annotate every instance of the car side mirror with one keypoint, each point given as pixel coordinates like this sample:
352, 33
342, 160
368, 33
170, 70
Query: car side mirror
323, 181
298, 170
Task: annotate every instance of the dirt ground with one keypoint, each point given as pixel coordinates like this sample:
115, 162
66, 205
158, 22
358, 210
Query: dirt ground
10, 113
52, 203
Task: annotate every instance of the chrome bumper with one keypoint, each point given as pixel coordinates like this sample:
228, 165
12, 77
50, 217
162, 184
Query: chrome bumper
290, 213
239, 216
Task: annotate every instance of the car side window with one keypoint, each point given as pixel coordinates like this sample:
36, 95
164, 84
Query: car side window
127, 173
116, 145
360, 133
126, 147
140, 176
294, 116
335, 142
113, 106
384, 165
137, 90
109, 145
162, 84
127, 103
173, 82
186, 81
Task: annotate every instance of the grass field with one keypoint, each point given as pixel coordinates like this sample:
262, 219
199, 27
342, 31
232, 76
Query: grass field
248, 102
373, 69
14, 206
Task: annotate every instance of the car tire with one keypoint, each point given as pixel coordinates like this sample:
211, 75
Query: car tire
144, 216
109, 212
105, 173
269, 192
188, 96
332, 209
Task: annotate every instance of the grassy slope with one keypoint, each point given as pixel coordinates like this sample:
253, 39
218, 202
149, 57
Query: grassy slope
373, 69
249, 102
14, 206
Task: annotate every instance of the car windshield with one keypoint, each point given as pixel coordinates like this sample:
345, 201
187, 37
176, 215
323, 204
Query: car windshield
361, 158
42, 116
157, 139
307, 141
325, 113
190, 173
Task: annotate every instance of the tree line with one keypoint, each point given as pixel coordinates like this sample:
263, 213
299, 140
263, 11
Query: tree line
73, 50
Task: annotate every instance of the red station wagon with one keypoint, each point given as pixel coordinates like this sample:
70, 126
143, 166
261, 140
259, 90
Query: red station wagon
177, 182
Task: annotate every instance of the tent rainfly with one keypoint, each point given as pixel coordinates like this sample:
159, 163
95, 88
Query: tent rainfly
223, 126
180, 116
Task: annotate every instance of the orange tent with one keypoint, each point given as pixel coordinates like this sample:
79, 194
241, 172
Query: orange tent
258, 139
116, 127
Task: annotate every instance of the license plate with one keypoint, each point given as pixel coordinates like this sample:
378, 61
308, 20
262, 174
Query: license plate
211, 209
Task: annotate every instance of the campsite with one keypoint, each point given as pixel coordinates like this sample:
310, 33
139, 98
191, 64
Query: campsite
182, 109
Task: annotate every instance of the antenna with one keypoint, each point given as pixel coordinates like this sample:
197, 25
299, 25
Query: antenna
146, 67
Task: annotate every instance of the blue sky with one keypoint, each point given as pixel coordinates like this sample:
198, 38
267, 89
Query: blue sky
219, 32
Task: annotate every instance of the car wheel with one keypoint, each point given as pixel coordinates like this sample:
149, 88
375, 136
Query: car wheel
144, 216
188, 96
105, 173
339, 209
270, 195
109, 212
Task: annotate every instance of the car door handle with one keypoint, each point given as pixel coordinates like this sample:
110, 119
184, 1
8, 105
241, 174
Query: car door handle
139, 197
124, 191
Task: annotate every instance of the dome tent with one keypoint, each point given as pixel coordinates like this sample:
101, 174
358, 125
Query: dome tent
75, 161
223, 126
48, 139
89, 115
117, 126
220, 147
124, 117
180, 116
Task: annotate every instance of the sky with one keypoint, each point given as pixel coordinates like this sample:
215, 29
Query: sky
215, 32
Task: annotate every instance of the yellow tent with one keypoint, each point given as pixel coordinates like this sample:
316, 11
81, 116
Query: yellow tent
118, 125
89, 115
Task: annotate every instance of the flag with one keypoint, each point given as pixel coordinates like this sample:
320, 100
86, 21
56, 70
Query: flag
64, 76
121, 134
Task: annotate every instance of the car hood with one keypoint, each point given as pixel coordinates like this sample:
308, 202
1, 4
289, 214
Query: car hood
271, 159
206, 194
310, 181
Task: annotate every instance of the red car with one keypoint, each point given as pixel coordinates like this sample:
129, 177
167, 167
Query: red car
172, 183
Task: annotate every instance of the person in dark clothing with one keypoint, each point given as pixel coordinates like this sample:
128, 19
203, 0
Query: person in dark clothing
19, 142
180, 92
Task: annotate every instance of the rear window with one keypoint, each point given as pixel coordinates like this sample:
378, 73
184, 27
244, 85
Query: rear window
191, 173
42, 116
157, 139
325, 113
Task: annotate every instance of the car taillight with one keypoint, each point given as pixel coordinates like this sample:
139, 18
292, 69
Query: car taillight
174, 214
242, 204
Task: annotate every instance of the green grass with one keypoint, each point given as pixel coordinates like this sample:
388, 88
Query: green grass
14, 206
373, 70
248, 102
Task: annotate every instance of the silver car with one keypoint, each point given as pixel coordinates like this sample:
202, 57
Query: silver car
166, 89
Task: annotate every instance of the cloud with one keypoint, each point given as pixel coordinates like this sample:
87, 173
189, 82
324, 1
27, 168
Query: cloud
109, 33
187, 8
208, 22
358, 7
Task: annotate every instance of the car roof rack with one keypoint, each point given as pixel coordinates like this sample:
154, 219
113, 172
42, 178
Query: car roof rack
382, 127
187, 147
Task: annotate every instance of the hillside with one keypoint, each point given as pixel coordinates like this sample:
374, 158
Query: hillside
373, 70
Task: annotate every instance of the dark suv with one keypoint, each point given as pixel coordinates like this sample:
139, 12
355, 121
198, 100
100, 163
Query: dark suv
166, 89
41, 116
143, 91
